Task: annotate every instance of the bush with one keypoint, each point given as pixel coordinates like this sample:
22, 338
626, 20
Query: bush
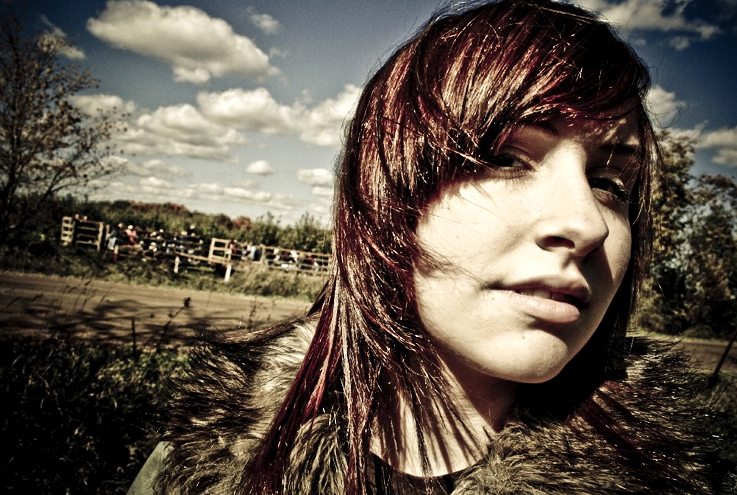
81, 416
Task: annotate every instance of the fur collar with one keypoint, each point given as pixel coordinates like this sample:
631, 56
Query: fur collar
225, 405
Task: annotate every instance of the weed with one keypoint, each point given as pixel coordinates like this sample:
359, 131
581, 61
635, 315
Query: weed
82, 415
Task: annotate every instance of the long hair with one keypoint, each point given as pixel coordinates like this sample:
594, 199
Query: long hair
443, 103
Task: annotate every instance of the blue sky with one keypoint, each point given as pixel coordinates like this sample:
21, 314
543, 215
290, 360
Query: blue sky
237, 107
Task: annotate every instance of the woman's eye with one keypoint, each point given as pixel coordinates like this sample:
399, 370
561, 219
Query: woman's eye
506, 161
613, 186
509, 162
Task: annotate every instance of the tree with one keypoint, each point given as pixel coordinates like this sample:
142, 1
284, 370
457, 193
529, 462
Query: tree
694, 277
306, 235
265, 230
47, 145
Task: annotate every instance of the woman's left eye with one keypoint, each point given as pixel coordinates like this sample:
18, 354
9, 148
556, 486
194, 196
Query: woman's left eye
612, 185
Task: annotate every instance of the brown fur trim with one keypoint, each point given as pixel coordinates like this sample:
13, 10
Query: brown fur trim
646, 433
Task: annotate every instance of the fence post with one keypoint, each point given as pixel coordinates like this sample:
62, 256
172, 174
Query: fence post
715, 376
133, 332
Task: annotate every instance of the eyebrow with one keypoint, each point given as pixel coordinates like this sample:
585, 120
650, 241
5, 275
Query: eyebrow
612, 147
620, 148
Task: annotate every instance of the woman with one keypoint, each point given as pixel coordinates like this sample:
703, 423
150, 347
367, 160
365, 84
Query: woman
491, 232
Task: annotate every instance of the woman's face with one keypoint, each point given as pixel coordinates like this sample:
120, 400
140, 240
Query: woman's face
526, 260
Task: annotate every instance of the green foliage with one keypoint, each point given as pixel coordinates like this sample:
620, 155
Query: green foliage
694, 276
80, 417
306, 235
259, 280
265, 230
252, 279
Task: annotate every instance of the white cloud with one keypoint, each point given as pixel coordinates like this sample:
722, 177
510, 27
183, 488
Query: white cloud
724, 142
197, 46
323, 191
323, 124
108, 104
155, 184
256, 110
253, 110
179, 130
157, 168
315, 177
260, 167
663, 105
653, 15
726, 157
264, 22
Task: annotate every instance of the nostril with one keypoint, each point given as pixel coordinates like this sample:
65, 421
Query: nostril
559, 241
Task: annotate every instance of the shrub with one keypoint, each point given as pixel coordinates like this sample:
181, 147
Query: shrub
81, 416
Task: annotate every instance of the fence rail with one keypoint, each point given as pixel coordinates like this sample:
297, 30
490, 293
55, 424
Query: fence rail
187, 248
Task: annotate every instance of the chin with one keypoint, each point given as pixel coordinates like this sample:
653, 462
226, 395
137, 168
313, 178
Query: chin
540, 371
539, 376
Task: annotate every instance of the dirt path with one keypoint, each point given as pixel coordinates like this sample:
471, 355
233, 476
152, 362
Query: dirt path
38, 304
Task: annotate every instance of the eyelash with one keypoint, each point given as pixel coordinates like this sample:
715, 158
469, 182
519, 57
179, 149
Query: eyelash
611, 187
511, 165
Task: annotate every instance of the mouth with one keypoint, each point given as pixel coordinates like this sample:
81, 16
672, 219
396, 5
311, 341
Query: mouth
555, 303
552, 295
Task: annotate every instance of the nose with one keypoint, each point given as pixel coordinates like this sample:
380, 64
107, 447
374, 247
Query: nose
570, 215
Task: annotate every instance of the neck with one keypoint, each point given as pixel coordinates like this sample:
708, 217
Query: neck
456, 435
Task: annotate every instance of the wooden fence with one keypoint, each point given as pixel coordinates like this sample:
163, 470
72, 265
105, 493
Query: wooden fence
231, 253
79, 231
188, 249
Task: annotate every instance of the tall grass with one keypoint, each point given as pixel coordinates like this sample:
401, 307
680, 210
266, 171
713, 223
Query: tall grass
251, 279
80, 417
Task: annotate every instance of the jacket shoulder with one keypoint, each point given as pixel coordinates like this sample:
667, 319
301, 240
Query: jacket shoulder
223, 405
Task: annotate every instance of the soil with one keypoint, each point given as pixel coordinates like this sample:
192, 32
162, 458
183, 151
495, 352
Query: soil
40, 305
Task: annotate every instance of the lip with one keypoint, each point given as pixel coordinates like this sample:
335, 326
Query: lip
556, 301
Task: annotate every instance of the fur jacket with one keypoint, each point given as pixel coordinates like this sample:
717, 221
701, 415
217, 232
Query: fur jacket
226, 404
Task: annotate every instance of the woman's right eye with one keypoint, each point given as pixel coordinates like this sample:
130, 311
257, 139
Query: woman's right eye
507, 160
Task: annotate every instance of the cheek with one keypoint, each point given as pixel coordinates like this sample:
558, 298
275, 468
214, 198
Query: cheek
619, 250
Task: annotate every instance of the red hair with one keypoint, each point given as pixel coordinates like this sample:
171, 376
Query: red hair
442, 104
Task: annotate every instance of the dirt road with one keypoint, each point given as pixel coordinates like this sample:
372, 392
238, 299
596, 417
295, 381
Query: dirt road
92, 308
111, 311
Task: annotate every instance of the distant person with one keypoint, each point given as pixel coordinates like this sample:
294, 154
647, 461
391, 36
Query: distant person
131, 235
491, 229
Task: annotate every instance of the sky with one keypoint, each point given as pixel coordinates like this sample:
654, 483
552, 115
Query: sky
238, 106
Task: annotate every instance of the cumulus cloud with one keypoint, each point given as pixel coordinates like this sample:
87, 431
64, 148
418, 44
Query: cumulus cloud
654, 15
264, 22
253, 110
179, 130
158, 190
323, 191
663, 105
256, 110
108, 104
321, 177
724, 142
260, 167
197, 46
157, 168
323, 124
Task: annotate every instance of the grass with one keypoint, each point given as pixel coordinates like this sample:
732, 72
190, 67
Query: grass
82, 416
251, 279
